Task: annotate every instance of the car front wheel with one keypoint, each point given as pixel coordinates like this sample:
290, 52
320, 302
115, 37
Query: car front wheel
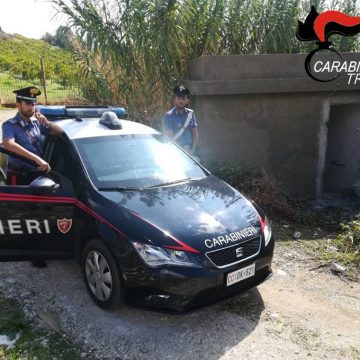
101, 275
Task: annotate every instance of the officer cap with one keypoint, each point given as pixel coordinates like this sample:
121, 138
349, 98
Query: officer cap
28, 94
181, 90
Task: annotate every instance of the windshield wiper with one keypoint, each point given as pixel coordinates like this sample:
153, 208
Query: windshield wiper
119, 188
124, 188
171, 183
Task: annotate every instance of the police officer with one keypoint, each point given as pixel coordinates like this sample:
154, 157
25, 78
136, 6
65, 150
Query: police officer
179, 123
24, 135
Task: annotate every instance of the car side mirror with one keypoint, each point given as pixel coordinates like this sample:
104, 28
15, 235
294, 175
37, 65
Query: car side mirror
45, 183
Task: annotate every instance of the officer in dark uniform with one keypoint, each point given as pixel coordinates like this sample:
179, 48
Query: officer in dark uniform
24, 135
179, 123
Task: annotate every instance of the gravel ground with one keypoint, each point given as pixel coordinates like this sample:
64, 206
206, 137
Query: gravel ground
302, 312
6, 114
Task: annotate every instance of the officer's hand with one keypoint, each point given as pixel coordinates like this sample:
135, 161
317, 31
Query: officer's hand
41, 118
43, 165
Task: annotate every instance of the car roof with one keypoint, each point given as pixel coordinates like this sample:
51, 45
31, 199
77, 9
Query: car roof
91, 127
83, 121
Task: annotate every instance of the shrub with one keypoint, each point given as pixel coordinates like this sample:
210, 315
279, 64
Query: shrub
261, 188
348, 242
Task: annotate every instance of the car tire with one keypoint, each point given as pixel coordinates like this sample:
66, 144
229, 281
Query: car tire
101, 275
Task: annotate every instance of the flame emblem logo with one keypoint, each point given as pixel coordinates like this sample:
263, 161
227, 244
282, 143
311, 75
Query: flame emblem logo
320, 27
64, 225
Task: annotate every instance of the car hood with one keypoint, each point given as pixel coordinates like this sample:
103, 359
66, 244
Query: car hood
197, 216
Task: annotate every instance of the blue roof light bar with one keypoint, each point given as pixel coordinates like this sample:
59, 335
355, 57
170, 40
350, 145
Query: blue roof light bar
80, 111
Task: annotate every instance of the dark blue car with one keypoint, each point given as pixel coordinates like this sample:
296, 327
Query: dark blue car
146, 222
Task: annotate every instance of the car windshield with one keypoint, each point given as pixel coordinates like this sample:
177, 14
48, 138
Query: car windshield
136, 161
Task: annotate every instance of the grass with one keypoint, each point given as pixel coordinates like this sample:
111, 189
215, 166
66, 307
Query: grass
355, 353
33, 342
55, 92
345, 248
321, 240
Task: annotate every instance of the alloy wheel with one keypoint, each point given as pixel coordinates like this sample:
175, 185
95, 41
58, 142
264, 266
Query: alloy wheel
98, 275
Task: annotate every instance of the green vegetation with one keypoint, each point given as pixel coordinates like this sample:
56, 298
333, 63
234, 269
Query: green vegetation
55, 92
31, 342
134, 51
63, 38
345, 248
322, 242
324, 239
20, 66
20, 57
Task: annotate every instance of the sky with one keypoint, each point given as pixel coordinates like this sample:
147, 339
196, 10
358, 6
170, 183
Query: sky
30, 18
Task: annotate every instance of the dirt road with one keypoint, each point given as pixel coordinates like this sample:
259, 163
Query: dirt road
6, 114
303, 312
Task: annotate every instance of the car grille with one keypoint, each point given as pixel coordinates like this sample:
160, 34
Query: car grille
228, 256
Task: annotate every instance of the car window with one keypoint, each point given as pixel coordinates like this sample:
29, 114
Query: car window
135, 161
61, 159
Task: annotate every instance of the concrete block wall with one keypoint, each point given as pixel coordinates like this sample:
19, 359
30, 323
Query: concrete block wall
265, 110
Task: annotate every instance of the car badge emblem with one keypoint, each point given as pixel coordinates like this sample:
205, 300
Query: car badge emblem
239, 252
64, 225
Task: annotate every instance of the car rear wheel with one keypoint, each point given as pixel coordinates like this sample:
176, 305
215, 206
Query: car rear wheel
101, 275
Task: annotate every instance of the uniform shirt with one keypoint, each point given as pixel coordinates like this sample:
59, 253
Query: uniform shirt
174, 121
30, 136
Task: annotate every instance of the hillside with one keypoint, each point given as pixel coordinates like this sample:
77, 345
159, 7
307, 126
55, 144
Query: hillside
20, 56
20, 66
4, 35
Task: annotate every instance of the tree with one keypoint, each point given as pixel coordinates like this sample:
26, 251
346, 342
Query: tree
63, 38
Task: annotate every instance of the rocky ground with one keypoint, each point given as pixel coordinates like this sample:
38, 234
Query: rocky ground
304, 312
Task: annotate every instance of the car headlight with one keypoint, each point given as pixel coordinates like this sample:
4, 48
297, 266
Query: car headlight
157, 256
267, 231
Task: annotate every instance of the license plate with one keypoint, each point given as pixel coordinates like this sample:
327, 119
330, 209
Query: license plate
240, 274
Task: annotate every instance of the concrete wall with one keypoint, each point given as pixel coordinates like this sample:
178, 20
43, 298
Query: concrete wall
265, 110
342, 157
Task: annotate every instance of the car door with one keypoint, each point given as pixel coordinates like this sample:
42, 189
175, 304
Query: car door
36, 221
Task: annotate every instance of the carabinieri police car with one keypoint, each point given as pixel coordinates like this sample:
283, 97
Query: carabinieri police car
146, 222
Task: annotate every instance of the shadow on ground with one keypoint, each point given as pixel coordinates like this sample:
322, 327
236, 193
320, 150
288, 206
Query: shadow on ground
129, 332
